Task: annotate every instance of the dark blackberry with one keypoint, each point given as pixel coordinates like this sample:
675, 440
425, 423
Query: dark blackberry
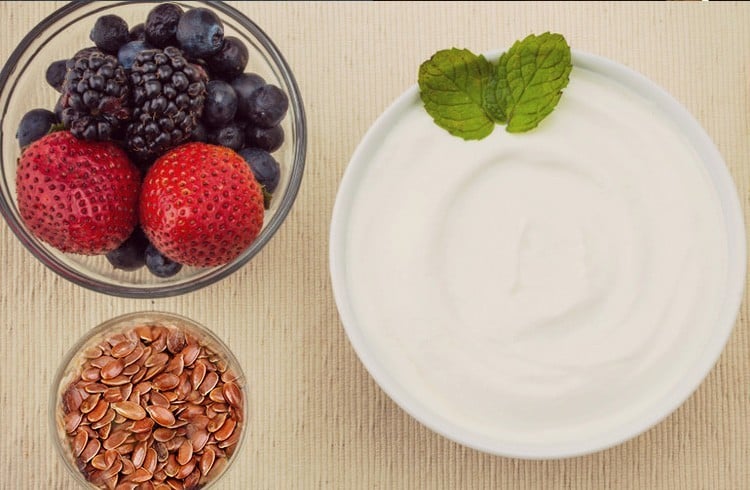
96, 96
168, 97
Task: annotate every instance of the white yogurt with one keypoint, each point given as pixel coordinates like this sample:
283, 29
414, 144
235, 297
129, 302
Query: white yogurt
529, 287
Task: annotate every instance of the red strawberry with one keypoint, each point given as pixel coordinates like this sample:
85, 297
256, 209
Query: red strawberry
78, 196
201, 205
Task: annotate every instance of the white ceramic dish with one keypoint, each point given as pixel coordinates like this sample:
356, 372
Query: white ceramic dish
399, 390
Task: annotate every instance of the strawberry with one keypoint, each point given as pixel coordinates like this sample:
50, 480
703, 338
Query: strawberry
78, 196
201, 205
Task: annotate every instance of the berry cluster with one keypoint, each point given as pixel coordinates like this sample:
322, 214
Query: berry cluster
150, 90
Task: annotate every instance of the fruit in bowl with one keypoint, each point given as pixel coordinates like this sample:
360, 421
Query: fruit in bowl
173, 86
146, 101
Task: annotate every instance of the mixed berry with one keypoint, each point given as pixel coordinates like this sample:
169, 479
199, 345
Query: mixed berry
158, 151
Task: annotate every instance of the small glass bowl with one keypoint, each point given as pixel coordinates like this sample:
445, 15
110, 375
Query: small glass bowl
70, 370
22, 88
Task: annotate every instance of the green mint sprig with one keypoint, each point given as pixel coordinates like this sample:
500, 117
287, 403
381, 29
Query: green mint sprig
466, 95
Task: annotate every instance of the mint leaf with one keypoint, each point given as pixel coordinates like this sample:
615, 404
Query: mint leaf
529, 80
452, 85
493, 106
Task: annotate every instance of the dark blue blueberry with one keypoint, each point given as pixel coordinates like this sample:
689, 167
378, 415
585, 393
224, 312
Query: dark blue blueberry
34, 124
269, 139
161, 25
231, 60
128, 51
200, 33
159, 265
199, 133
221, 103
109, 33
55, 74
59, 108
244, 85
137, 33
232, 136
267, 106
131, 255
265, 168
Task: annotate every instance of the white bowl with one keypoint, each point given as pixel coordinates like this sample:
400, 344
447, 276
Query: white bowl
407, 397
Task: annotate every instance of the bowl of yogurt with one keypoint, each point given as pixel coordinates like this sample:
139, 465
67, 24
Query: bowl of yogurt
546, 294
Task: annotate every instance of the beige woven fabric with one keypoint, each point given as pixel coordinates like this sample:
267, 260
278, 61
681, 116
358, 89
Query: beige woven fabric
317, 419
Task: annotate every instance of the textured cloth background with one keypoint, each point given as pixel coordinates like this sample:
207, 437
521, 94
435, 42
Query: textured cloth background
317, 419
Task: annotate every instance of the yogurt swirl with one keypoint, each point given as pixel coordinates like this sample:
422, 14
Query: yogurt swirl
529, 286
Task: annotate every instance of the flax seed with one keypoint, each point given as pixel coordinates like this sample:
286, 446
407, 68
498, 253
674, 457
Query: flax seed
152, 409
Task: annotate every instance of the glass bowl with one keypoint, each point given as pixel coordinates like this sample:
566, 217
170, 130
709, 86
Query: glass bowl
142, 340
22, 88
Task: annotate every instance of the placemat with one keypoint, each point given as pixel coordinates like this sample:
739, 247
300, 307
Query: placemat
317, 418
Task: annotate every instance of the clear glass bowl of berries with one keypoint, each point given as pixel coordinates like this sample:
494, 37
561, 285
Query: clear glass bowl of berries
149, 400
148, 149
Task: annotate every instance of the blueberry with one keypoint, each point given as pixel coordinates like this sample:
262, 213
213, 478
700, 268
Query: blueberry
269, 139
34, 124
109, 33
231, 60
131, 254
200, 33
128, 51
59, 108
232, 136
244, 85
265, 168
266, 106
55, 74
137, 32
161, 25
221, 103
159, 265
199, 133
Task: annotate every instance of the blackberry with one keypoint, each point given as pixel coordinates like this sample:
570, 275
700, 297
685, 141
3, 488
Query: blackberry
96, 97
168, 98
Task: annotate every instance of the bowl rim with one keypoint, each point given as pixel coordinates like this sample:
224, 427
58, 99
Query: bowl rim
299, 123
124, 321
732, 213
